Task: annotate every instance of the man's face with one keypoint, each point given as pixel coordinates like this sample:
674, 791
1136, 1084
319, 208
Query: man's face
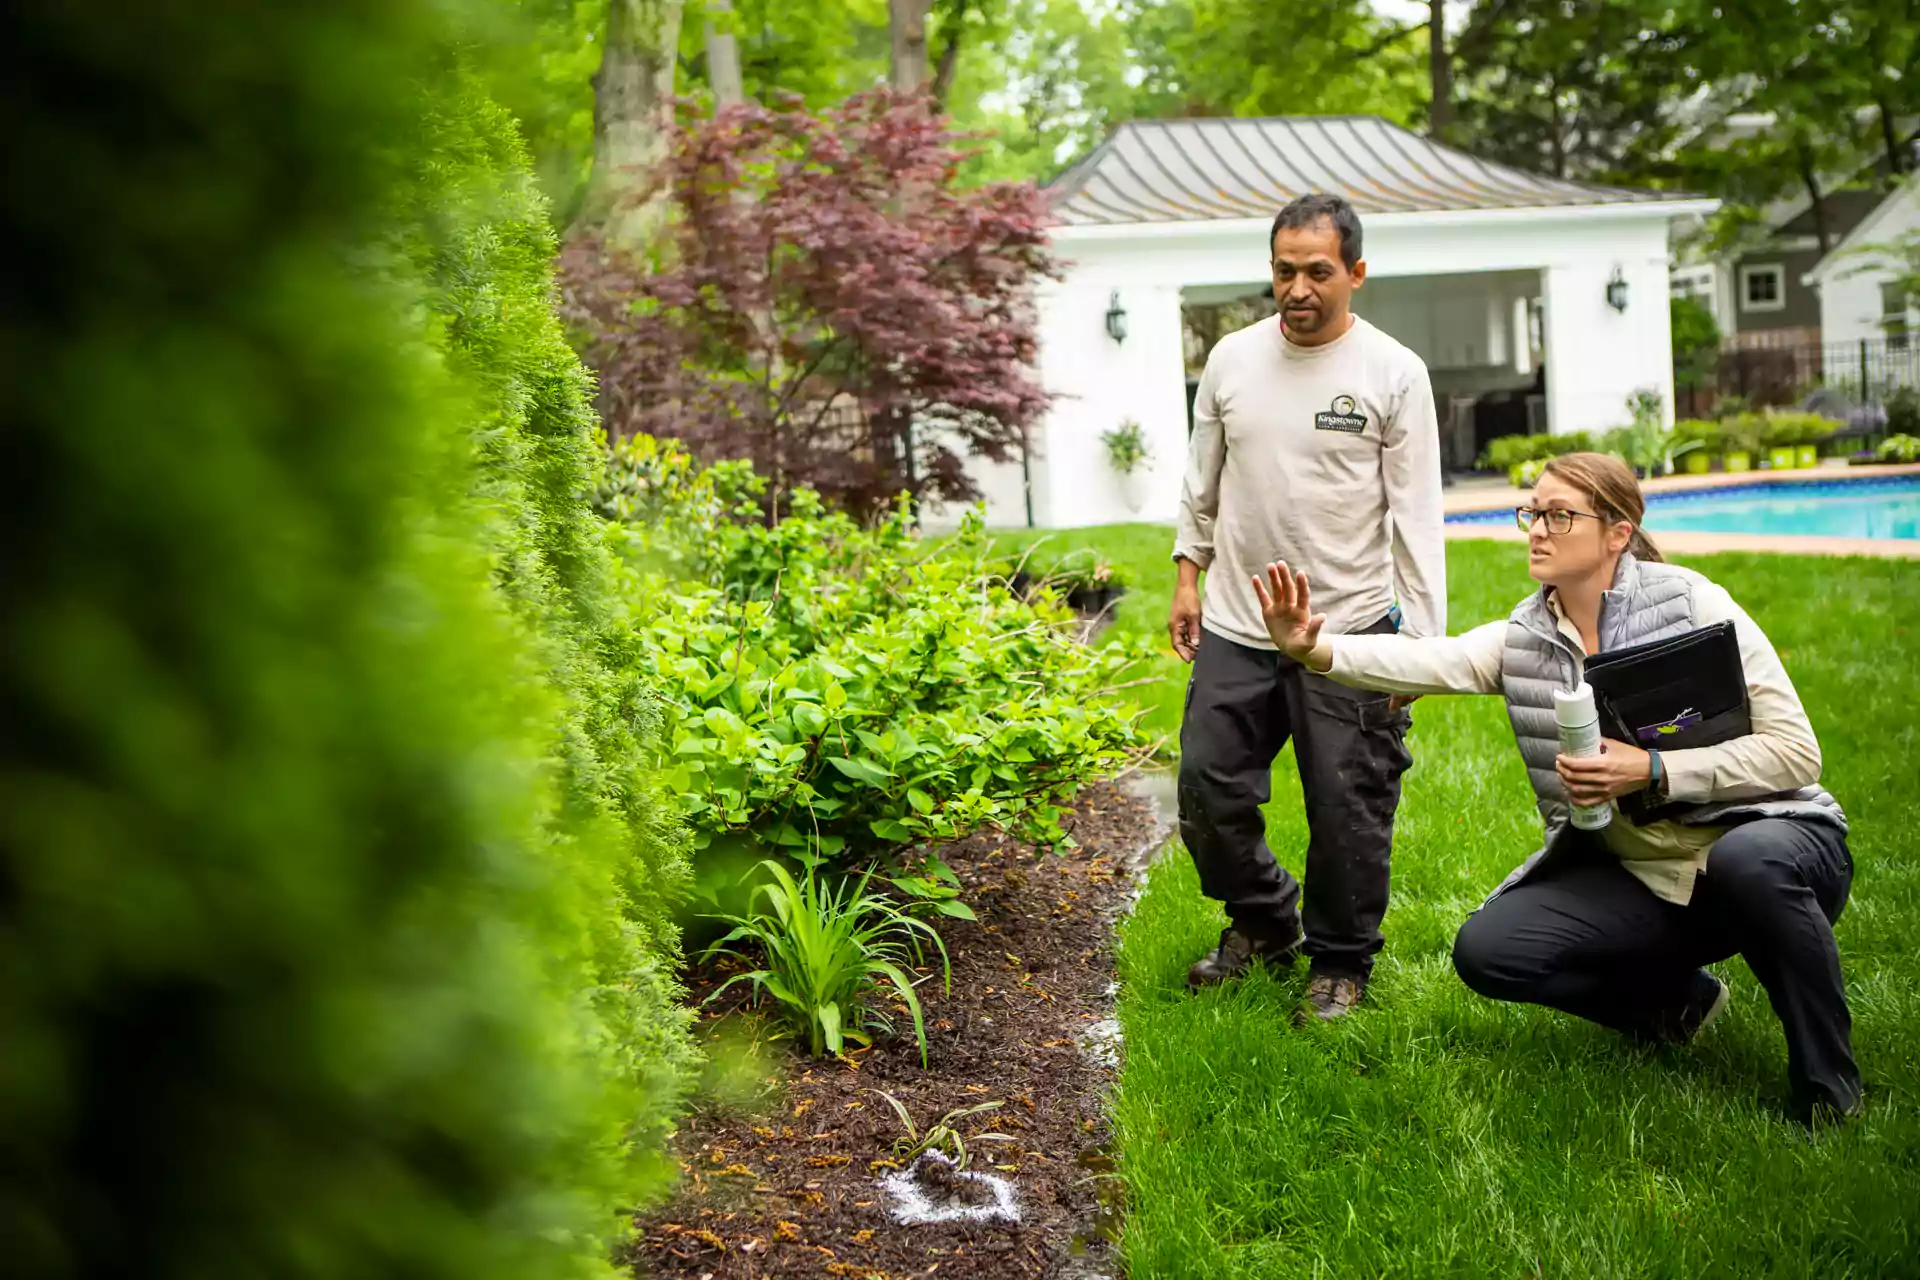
1311, 285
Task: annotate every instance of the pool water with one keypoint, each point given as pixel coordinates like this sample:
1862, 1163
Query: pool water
1869, 507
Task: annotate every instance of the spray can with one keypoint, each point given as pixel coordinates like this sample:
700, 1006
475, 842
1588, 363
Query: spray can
1580, 737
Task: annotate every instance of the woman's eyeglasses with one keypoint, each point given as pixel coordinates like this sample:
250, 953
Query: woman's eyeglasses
1559, 519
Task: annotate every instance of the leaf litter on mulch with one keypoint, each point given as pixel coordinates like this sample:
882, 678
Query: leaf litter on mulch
788, 1185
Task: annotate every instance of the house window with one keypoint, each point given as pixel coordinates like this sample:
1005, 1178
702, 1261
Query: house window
1893, 316
1763, 288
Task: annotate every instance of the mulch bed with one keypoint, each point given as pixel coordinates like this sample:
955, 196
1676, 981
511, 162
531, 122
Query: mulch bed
794, 1191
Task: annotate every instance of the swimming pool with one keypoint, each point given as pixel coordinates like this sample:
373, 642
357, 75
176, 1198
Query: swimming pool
1864, 507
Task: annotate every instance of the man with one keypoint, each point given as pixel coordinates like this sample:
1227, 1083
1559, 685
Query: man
1314, 442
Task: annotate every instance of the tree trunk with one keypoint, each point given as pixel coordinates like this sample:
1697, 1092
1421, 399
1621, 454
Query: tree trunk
1811, 180
950, 55
723, 58
1440, 69
1558, 165
907, 21
1896, 163
630, 93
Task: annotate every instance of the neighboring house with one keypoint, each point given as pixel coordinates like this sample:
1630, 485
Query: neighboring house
1860, 302
1507, 284
1761, 298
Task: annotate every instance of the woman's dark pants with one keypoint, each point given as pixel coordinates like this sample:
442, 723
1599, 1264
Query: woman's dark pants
1585, 937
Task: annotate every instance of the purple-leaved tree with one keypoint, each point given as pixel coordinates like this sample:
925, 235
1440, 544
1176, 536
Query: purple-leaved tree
825, 302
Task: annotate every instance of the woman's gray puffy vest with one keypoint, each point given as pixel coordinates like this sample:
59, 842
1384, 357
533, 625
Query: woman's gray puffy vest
1649, 601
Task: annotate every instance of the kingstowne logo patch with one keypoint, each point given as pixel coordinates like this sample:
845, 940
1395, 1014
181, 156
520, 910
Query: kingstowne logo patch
1344, 416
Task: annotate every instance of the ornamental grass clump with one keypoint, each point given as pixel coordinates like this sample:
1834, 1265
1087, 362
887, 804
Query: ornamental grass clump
827, 945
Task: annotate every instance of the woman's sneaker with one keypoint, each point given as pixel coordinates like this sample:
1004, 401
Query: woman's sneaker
1708, 1009
1238, 952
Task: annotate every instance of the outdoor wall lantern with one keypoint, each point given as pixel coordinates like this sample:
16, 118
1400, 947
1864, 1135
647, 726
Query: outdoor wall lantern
1617, 291
1116, 318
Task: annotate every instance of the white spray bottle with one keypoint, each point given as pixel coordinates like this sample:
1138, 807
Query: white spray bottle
1580, 737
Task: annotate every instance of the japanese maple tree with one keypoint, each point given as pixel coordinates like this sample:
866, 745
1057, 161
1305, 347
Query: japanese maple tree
827, 303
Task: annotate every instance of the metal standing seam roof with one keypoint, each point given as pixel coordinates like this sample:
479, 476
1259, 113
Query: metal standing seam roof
1199, 170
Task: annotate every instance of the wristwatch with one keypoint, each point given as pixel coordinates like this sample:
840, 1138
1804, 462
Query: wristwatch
1656, 778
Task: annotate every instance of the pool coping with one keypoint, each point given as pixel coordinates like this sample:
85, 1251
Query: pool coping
1493, 498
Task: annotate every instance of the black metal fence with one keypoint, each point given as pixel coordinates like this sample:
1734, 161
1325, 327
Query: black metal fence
1832, 376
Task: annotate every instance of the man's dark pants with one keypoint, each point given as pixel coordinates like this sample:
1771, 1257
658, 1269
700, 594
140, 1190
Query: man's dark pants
1585, 937
1243, 704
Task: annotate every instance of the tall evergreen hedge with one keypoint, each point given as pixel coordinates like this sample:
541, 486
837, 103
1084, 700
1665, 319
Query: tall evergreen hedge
334, 930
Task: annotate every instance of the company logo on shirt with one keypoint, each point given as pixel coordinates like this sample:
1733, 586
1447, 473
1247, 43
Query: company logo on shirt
1344, 415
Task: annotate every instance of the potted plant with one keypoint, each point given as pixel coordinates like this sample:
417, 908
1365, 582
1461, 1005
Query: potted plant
1741, 434
1815, 431
1780, 435
1128, 454
1702, 440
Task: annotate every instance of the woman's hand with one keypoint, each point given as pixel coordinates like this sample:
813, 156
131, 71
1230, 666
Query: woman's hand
1618, 770
1287, 607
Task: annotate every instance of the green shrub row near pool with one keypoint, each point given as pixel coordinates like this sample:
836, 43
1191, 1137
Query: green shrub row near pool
1781, 441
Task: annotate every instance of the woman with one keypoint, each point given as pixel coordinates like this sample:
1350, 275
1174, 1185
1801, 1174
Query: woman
1614, 925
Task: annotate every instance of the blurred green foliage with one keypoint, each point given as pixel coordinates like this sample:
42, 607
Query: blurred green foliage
849, 691
334, 934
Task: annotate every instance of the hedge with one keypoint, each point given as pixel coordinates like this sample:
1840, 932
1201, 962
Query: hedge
333, 909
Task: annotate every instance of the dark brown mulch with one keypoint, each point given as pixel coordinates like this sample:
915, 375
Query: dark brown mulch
794, 1191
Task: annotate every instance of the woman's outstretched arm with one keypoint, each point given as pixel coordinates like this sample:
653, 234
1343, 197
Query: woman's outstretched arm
1467, 663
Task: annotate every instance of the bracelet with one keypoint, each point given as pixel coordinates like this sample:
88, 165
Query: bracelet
1656, 776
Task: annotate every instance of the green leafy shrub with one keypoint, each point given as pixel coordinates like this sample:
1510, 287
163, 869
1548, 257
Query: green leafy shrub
1505, 453
829, 944
1900, 448
1785, 428
847, 689
1701, 433
476, 233
325, 944
1064, 575
1903, 412
1745, 432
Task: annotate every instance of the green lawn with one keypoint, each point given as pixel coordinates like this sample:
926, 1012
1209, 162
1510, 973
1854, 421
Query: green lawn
1439, 1133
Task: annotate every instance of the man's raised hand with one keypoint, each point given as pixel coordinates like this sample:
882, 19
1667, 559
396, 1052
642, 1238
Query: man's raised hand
1286, 604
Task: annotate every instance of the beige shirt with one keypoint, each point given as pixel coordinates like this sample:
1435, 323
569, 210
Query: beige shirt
1328, 458
1780, 754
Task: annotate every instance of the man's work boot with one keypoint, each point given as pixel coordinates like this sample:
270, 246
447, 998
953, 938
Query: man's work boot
1237, 953
1330, 996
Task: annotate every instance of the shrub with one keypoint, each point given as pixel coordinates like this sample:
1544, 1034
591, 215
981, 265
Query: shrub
1701, 433
1900, 448
477, 235
1782, 429
1505, 453
828, 947
846, 689
833, 308
305, 826
1696, 343
1903, 412
1745, 432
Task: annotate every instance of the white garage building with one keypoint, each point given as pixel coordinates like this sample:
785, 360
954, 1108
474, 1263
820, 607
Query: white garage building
1489, 273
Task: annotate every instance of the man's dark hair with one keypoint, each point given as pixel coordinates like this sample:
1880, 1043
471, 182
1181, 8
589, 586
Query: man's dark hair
1310, 210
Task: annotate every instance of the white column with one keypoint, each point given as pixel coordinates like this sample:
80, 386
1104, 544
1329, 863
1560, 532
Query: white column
1598, 357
